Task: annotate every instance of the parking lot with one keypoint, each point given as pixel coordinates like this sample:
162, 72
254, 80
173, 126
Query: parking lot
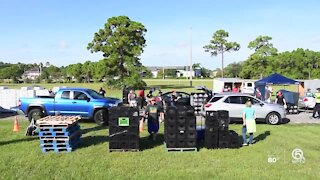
302, 117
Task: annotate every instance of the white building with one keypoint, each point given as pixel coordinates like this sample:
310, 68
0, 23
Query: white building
181, 71
32, 74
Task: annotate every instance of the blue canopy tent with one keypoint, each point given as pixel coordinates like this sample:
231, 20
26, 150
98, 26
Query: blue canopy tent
273, 79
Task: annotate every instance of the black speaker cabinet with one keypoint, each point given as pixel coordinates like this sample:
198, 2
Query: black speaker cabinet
124, 128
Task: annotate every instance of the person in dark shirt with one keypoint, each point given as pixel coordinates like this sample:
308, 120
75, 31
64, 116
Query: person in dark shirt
152, 114
280, 100
102, 92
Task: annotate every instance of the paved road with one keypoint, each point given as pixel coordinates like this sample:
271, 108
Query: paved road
303, 117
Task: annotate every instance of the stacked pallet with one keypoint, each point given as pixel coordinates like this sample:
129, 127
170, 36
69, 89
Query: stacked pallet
59, 133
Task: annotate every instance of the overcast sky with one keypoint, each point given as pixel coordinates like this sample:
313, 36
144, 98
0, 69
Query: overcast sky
58, 31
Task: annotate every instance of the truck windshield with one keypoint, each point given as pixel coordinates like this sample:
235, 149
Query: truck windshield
94, 94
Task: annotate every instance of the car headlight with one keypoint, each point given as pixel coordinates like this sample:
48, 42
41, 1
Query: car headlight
113, 105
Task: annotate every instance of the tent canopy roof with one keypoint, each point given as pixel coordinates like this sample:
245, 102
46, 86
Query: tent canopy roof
276, 79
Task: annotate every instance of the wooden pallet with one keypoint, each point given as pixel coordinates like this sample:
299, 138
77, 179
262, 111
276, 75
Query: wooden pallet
57, 121
59, 145
41, 134
193, 149
57, 141
56, 150
59, 129
74, 135
124, 150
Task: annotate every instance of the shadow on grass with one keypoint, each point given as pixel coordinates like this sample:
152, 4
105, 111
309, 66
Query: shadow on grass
7, 114
285, 121
96, 128
262, 137
18, 141
148, 143
92, 141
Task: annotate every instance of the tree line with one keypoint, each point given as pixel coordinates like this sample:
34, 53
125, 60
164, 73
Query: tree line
265, 60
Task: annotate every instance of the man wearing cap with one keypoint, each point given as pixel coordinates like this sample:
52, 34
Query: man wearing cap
317, 106
152, 114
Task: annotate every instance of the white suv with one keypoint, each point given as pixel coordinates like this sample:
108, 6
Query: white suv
235, 103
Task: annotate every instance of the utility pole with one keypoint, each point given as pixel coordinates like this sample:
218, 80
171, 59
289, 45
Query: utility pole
190, 68
162, 72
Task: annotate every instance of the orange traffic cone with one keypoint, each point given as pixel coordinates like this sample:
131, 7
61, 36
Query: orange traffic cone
16, 127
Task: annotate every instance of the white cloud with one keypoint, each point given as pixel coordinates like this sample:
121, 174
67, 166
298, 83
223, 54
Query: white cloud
63, 45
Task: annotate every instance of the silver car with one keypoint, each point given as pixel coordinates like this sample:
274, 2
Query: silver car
235, 103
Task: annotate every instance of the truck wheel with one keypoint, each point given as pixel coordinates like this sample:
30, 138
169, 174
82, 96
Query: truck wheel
101, 117
35, 114
273, 118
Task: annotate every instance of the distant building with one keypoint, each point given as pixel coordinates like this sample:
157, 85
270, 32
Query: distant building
181, 71
32, 74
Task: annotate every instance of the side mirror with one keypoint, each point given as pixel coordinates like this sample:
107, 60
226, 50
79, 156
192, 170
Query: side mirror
88, 99
261, 104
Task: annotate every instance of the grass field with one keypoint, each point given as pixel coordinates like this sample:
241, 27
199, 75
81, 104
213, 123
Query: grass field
21, 158
164, 84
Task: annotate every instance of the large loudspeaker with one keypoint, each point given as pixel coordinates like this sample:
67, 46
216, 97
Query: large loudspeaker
217, 134
124, 128
180, 127
211, 130
224, 139
223, 117
235, 141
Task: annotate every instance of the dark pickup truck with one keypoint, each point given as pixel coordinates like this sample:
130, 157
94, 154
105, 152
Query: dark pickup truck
70, 101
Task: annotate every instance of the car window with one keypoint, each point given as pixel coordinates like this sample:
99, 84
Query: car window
65, 95
215, 99
183, 95
94, 94
249, 85
233, 100
244, 99
79, 95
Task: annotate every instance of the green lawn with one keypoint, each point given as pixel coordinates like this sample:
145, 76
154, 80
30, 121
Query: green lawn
164, 84
21, 157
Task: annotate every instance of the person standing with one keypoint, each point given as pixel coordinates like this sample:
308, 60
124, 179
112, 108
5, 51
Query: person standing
268, 93
317, 106
141, 100
102, 92
159, 101
258, 93
281, 100
235, 89
152, 114
309, 93
132, 98
249, 123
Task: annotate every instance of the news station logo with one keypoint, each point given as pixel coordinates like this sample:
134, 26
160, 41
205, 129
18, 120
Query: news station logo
297, 155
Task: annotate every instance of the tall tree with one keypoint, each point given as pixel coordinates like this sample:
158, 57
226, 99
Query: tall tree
263, 49
121, 41
220, 45
88, 70
233, 69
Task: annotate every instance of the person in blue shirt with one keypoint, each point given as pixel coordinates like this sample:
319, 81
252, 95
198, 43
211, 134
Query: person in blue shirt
249, 123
